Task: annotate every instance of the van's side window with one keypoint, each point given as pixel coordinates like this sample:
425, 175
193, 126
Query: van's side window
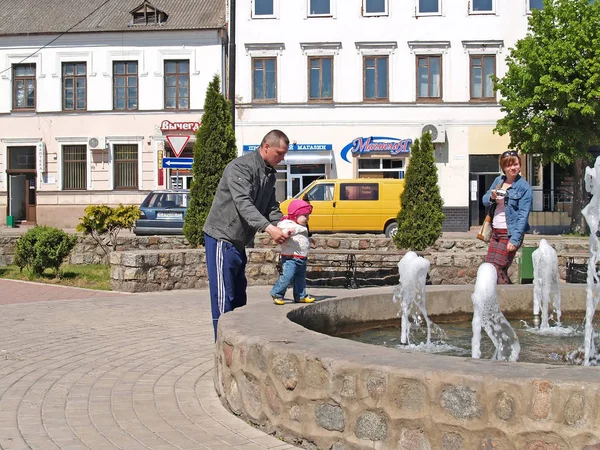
359, 191
320, 192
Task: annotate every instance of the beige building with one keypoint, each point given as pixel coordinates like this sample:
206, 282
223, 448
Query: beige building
94, 95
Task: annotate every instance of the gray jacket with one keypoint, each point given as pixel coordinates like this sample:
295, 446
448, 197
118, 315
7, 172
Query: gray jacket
244, 202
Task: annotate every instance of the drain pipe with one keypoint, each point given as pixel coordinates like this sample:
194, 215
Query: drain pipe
232, 60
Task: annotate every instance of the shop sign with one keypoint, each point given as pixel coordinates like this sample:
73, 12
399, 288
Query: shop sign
376, 144
167, 125
294, 147
42, 161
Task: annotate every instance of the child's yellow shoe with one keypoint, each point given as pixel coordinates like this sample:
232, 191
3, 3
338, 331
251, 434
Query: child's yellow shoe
307, 299
278, 301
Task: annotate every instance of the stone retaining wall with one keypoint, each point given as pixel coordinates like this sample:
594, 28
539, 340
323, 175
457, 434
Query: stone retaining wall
452, 262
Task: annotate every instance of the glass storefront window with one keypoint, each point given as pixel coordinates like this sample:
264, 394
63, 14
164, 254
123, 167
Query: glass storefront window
21, 158
381, 168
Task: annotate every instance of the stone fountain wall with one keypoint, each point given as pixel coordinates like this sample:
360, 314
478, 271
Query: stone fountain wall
321, 392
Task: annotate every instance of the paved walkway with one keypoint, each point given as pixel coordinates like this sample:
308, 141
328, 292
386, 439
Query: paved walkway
82, 369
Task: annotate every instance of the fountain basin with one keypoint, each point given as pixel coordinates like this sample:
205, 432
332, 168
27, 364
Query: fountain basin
275, 369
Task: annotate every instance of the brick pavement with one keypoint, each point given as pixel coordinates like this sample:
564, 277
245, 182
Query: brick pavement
102, 370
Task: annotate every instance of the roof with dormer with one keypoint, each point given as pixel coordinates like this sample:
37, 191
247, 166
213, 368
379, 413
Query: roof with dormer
19, 17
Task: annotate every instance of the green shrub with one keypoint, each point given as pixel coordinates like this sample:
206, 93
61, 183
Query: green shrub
104, 223
421, 217
42, 248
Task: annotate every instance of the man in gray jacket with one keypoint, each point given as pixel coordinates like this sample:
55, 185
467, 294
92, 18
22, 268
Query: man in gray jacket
244, 204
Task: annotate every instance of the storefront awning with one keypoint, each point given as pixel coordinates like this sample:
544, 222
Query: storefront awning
307, 158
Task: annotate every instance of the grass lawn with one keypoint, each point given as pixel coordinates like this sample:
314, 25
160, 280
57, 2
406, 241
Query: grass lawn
92, 276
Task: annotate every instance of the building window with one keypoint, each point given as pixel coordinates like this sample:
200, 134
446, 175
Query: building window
74, 167
264, 79
483, 68
319, 7
146, 14
320, 78
74, 86
429, 6
24, 86
375, 78
125, 85
126, 166
535, 4
429, 77
381, 168
263, 8
177, 84
482, 6
375, 7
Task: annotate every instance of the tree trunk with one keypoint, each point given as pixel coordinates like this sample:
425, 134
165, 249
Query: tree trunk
580, 197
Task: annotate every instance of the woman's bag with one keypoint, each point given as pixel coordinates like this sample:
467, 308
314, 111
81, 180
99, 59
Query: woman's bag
485, 232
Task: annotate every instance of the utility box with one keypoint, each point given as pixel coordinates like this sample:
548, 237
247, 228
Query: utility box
525, 261
10, 222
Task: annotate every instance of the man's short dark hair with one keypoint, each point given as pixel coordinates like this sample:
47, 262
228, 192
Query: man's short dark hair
275, 138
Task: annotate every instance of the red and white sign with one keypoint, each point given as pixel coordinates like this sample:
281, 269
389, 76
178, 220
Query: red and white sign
178, 143
167, 125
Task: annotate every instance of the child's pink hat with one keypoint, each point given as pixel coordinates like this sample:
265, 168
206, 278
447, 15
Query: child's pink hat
298, 208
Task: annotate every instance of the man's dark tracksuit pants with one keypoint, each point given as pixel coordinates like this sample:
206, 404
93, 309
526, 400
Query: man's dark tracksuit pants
227, 283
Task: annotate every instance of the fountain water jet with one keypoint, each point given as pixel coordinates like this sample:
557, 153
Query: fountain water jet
487, 315
412, 270
545, 283
591, 213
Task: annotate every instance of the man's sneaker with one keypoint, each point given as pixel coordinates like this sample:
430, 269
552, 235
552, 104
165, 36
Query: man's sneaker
278, 301
307, 299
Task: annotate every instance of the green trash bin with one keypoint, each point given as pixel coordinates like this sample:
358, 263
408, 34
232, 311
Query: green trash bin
525, 272
10, 221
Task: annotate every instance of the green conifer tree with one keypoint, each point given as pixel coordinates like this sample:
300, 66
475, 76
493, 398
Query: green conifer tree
420, 219
214, 149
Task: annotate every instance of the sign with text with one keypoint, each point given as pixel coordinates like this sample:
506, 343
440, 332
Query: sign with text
294, 147
178, 143
167, 125
376, 144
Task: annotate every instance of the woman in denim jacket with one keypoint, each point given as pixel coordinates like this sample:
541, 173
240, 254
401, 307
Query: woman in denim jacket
513, 196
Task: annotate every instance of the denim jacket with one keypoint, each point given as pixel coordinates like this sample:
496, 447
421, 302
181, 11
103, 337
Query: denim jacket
517, 205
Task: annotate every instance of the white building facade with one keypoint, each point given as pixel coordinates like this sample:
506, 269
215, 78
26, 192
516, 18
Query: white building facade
86, 117
354, 82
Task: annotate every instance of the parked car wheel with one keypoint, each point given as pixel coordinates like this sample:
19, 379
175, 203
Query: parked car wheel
391, 229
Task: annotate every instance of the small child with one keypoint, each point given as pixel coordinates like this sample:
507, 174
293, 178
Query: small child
294, 252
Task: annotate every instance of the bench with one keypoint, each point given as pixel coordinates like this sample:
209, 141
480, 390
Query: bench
352, 268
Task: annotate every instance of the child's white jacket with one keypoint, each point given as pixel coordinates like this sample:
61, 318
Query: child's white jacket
298, 243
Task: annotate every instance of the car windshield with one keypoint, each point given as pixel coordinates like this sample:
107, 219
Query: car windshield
167, 200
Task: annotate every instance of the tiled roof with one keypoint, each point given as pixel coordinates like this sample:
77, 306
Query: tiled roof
57, 16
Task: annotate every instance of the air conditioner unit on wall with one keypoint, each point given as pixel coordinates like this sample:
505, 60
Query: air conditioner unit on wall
438, 133
97, 143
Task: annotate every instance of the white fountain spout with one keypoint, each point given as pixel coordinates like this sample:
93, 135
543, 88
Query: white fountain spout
591, 213
410, 292
487, 315
546, 287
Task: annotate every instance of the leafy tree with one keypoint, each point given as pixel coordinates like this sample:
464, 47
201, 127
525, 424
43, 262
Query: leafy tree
104, 223
420, 219
215, 148
551, 91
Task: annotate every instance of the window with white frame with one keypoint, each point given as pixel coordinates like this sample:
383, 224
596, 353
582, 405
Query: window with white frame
429, 7
381, 167
535, 4
263, 8
74, 167
375, 7
482, 6
319, 7
125, 163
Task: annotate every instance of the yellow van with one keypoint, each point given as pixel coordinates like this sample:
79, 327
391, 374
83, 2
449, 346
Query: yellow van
365, 205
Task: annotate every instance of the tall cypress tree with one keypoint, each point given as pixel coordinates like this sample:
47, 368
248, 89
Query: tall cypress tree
214, 149
420, 219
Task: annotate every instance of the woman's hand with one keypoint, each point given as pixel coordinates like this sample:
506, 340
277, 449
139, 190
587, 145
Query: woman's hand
511, 247
493, 194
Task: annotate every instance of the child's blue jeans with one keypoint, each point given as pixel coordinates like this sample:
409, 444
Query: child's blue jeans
293, 270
